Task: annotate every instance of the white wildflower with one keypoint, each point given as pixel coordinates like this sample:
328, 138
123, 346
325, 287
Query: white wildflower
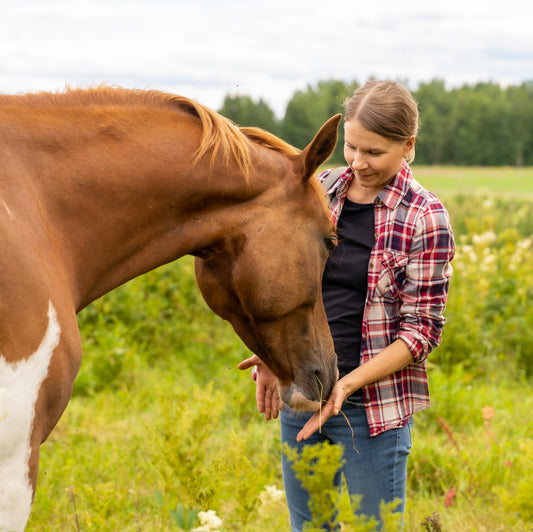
488, 203
522, 213
269, 498
209, 522
467, 253
484, 239
524, 244
271, 494
488, 262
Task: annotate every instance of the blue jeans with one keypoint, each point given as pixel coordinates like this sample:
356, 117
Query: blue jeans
377, 470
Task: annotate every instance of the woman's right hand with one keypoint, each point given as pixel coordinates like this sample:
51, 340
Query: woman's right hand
266, 391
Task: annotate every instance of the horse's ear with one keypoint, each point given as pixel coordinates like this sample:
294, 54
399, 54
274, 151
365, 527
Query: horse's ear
320, 148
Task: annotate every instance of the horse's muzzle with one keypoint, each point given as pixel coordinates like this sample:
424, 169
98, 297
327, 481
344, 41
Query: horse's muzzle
310, 398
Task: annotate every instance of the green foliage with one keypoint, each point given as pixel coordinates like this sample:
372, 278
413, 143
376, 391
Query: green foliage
484, 124
491, 291
245, 112
308, 110
184, 517
471, 445
315, 467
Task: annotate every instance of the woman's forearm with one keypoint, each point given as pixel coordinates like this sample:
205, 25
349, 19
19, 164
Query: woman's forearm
392, 359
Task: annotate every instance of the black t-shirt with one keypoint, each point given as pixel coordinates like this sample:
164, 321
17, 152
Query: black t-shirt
345, 282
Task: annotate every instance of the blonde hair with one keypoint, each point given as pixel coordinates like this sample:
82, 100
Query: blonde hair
387, 109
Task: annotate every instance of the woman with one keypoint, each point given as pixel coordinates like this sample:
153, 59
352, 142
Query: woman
384, 289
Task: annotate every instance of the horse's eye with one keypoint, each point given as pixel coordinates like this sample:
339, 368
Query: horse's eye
331, 243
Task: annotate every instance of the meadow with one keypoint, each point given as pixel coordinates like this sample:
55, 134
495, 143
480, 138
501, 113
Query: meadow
162, 425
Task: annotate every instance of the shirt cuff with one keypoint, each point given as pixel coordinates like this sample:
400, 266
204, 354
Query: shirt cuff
419, 349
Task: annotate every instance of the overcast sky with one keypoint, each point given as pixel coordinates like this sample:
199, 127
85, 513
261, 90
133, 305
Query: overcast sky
205, 49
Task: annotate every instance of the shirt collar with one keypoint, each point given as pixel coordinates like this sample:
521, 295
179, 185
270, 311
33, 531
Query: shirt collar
394, 192
391, 195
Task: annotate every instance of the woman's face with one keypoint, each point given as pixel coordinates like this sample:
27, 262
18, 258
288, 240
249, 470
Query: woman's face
374, 159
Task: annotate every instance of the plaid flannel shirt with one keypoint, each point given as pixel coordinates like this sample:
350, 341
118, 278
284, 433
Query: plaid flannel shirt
408, 279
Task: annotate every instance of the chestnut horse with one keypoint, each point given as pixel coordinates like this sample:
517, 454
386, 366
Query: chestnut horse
99, 186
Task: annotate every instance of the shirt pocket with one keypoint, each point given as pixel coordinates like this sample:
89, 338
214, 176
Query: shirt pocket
392, 275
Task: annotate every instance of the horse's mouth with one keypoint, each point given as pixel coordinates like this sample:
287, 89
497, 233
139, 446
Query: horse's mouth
293, 397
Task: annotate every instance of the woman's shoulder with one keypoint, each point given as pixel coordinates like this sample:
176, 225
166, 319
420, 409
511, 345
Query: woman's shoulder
423, 198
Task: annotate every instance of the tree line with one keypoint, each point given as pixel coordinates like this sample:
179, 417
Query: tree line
474, 125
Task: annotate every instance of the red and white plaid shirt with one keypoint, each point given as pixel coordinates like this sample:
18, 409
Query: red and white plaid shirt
408, 279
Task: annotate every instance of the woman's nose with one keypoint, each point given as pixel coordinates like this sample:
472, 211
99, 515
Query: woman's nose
359, 162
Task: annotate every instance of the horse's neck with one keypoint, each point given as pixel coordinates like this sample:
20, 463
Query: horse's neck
135, 211
141, 228
119, 198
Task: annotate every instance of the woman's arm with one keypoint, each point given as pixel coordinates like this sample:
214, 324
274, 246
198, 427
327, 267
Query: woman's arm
392, 359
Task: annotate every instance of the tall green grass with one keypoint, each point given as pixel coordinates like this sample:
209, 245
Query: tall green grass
161, 417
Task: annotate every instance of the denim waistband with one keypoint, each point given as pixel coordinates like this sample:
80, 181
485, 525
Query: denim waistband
355, 401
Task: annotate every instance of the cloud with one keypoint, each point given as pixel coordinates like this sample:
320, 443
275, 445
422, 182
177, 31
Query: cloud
206, 48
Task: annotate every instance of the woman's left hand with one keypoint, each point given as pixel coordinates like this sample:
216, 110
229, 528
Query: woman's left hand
331, 408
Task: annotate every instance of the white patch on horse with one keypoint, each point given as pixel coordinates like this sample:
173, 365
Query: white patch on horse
20, 383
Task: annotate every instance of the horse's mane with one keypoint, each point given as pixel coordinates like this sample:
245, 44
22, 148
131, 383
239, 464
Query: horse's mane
219, 133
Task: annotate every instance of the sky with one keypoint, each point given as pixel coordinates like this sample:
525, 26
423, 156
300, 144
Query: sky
268, 49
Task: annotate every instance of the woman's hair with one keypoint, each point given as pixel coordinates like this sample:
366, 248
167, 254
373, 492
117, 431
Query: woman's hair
386, 108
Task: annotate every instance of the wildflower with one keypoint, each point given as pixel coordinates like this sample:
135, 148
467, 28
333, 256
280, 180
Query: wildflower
488, 261
271, 494
524, 244
488, 413
450, 497
484, 239
488, 204
432, 523
209, 522
448, 431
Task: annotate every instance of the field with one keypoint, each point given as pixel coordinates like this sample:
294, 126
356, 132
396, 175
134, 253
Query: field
162, 424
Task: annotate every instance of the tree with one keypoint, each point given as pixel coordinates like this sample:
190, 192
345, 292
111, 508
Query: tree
484, 124
433, 144
521, 117
308, 110
245, 112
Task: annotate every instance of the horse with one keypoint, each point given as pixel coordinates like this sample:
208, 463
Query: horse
103, 184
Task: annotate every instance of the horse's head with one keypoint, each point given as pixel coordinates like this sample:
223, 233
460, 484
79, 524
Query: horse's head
265, 277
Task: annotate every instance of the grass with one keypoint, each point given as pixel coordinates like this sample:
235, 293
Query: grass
161, 416
445, 181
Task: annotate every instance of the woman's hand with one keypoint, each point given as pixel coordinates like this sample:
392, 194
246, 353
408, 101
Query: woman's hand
331, 408
266, 391
393, 358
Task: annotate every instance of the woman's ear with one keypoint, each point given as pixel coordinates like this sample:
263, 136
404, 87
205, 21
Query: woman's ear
409, 145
